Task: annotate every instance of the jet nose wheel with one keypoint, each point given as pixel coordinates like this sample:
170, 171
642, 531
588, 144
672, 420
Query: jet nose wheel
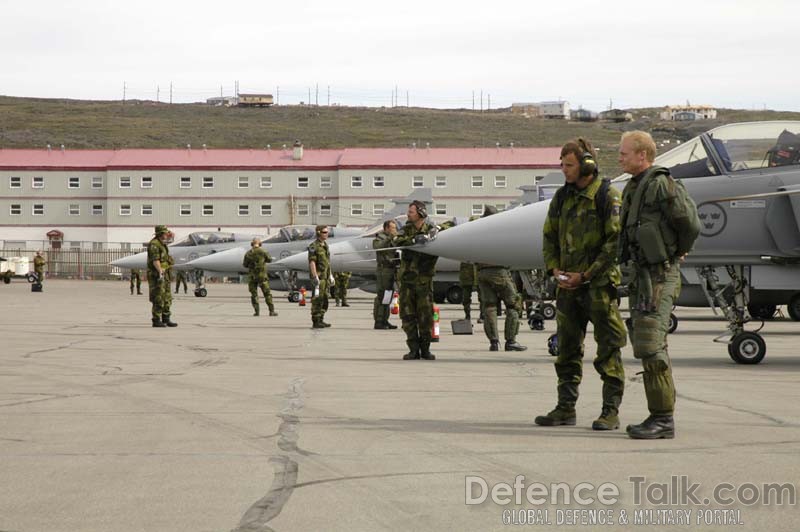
747, 348
552, 345
794, 307
536, 322
294, 297
200, 292
548, 311
673, 323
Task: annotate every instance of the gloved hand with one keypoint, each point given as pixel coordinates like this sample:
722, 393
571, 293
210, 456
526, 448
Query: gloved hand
421, 239
332, 281
433, 232
315, 281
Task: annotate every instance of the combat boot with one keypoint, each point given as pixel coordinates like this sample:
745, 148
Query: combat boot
138, 292
558, 416
324, 324
411, 355
272, 312
653, 428
513, 345
467, 314
389, 325
345, 304
158, 323
413, 350
168, 322
608, 420
257, 312
494, 345
317, 325
425, 353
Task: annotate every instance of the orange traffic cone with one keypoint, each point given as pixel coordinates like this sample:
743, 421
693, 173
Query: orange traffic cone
435, 331
303, 296
395, 307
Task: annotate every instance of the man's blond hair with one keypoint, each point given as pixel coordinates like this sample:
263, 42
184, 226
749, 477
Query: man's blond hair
642, 142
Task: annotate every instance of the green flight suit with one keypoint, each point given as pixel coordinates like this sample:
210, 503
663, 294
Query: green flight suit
495, 285
342, 281
468, 279
416, 289
385, 275
38, 268
654, 287
136, 279
159, 289
580, 239
319, 253
256, 260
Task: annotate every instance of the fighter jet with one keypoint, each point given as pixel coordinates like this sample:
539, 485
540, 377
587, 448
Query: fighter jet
744, 178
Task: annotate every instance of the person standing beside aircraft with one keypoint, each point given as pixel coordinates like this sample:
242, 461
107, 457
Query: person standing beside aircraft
38, 266
158, 262
340, 289
319, 265
385, 273
495, 285
580, 249
180, 277
256, 260
659, 227
136, 278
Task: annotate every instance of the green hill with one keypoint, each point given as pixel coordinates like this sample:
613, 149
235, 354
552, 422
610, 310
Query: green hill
78, 124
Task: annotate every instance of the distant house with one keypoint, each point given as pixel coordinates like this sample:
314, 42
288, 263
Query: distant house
583, 115
255, 100
528, 109
554, 109
702, 112
686, 116
616, 115
227, 101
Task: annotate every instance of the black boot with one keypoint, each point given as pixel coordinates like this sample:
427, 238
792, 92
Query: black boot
494, 345
168, 322
317, 325
425, 351
413, 350
513, 345
653, 428
467, 314
158, 323
138, 292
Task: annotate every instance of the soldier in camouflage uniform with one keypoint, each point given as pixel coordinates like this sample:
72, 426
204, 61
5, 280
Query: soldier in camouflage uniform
340, 288
158, 264
256, 260
385, 273
659, 227
468, 279
319, 265
416, 283
495, 285
38, 266
136, 279
180, 277
580, 250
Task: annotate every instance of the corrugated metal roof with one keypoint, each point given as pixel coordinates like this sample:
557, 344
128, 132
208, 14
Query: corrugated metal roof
55, 159
449, 157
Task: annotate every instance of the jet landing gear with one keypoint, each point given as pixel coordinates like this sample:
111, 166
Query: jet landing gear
199, 284
744, 347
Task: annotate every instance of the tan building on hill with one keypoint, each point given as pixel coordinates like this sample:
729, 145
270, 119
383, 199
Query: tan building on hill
701, 112
117, 196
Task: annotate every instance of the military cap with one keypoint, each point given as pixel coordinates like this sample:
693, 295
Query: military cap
161, 229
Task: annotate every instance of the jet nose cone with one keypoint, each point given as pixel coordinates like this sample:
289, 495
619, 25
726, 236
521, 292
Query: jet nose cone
230, 260
132, 262
298, 261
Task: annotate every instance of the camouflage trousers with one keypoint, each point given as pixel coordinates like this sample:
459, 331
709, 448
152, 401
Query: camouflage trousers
495, 285
649, 338
416, 313
384, 280
575, 309
466, 296
39, 276
180, 278
160, 296
340, 288
253, 285
319, 304
136, 280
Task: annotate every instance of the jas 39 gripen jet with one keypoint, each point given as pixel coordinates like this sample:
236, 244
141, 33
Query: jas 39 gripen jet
745, 180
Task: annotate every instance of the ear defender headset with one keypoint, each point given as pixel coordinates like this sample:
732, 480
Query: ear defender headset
587, 162
421, 210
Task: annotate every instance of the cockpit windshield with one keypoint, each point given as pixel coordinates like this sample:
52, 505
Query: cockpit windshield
295, 233
759, 144
205, 238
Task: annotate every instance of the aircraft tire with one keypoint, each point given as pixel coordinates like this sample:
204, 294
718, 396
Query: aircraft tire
454, 295
673, 323
294, 297
794, 307
548, 311
200, 292
7, 280
747, 348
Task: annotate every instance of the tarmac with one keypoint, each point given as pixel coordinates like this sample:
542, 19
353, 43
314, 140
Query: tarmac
235, 422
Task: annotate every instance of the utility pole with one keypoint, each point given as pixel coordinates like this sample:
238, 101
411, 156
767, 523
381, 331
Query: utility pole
316, 96
481, 100
278, 95
220, 91
488, 102
329, 95
396, 96
124, 90
309, 96
170, 93
407, 99
158, 93
473, 99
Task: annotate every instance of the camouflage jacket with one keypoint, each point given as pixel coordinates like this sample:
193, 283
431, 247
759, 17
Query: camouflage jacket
38, 264
255, 260
319, 253
415, 266
157, 251
580, 239
467, 274
387, 260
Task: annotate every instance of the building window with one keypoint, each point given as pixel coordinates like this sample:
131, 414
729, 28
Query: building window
325, 210
186, 209
356, 209
147, 210
147, 182
477, 181
37, 182
244, 210
266, 210
208, 210
97, 210
124, 246
98, 246
124, 182
441, 181
302, 182
244, 182
97, 182
125, 210
325, 181
377, 181
356, 181
208, 182
14, 182
477, 209
378, 209
186, 182
499, 181
441, 208
417, 181
266, 182
74, 209
302, 209
74, 182
15, 209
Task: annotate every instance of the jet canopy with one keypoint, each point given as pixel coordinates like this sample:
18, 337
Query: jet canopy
295, 233
205, 238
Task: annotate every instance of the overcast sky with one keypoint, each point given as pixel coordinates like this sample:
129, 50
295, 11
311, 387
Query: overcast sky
735, 54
